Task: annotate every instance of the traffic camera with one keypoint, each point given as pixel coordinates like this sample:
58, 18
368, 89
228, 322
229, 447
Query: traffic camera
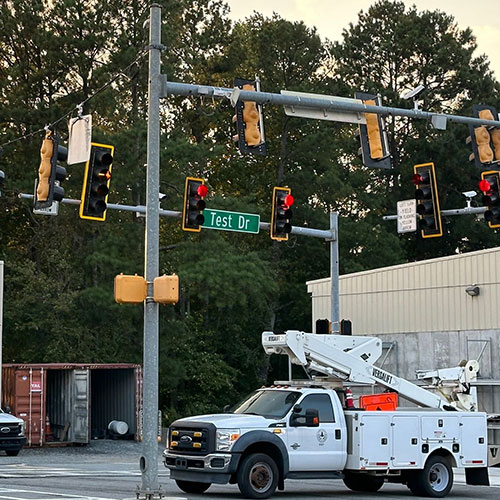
281, 216
50, 173
426, 194
194, 204
96, 182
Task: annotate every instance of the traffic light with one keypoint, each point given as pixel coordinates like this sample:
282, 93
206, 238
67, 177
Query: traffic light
50, 173
96, 182
194, 204
490, 187
485, 141
374, 145
281, 214
249, 122
426, 194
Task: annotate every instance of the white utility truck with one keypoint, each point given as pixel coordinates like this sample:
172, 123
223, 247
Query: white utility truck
310, 429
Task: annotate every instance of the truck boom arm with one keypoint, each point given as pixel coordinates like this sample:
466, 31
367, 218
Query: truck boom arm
347, 357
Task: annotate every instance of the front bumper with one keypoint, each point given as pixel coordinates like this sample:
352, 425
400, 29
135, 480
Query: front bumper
12, 443
212, 468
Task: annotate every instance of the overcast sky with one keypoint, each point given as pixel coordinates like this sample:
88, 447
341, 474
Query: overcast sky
331, 16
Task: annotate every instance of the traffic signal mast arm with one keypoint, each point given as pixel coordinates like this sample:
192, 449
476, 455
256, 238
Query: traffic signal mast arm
352, 358
439, 120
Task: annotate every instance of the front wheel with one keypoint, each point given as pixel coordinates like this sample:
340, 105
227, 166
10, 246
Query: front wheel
435, 480
363, 482
192, 487
257, 476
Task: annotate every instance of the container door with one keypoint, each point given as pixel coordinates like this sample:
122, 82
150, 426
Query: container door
79, 428
29, 402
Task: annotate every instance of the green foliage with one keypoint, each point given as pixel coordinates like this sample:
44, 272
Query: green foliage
59, 271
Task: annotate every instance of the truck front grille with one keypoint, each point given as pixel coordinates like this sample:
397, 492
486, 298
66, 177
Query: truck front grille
196, 438
9, 430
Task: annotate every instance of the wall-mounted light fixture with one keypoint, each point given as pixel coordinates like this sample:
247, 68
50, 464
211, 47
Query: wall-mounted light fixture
473, 290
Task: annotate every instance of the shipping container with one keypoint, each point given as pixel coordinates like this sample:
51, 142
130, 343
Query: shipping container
70, 403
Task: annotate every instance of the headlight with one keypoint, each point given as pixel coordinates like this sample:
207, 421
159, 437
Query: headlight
21, 428
226, 438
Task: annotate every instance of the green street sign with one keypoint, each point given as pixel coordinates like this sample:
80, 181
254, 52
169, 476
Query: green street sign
231, 221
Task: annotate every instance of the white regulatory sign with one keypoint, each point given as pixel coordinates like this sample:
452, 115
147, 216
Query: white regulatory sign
407, 216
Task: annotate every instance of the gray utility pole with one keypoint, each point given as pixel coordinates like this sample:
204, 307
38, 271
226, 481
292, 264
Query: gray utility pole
149, 460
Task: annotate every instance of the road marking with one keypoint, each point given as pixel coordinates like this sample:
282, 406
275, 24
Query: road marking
46, 494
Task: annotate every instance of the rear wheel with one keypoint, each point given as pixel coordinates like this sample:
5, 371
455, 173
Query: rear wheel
435, 480
257, 476
192, 487
363, 482
12, 453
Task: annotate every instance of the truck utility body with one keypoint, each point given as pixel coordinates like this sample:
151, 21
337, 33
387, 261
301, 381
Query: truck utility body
303, 430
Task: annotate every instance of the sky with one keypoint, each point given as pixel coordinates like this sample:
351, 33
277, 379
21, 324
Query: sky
330, 17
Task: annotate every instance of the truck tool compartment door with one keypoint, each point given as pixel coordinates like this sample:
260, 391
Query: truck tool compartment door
318, 448
405, 441
474, 441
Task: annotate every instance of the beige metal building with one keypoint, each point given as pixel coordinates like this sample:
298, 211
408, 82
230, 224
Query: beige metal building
429, 314
426, 296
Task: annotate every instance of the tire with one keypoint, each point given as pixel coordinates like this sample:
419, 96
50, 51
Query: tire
257, 476
192, 487
363, 482
12, 453
435, 480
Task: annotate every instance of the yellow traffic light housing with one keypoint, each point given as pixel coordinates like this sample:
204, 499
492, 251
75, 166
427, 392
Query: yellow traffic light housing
281, 215
490, 187
50, 173
426, 194
96, 182
374, 144
130, 289
484, 140
166, 289
194, 204
249, 122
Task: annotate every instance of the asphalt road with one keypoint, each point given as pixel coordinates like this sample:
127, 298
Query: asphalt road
109, 470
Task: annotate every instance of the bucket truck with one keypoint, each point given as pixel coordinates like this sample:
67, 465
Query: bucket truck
304, 429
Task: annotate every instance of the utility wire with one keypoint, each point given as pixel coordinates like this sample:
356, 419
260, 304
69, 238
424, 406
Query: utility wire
141, 54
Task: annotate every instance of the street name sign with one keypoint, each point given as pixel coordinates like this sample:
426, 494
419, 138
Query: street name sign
407, 216
231, 221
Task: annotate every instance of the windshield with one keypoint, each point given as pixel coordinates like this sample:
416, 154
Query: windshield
269, 404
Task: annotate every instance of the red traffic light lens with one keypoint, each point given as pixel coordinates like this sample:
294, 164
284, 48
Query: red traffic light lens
417, 179
288, 200
484, 186
202, 190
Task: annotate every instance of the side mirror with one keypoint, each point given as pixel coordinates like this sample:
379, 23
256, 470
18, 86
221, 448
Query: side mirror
312, 417
226, 408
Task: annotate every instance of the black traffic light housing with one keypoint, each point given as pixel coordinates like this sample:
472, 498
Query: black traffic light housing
426, 194
490, 186
50, 173
485, 141
96, 182
374, 144
249, 122
281, 215
194, 204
